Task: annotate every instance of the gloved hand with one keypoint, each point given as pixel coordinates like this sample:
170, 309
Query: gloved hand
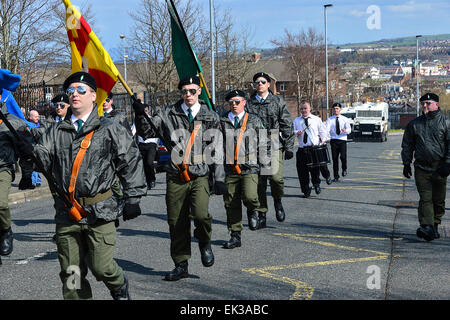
220, 188
444, 170
407, 171
288, 155
139, 107
131, 211
24, 148
26, 183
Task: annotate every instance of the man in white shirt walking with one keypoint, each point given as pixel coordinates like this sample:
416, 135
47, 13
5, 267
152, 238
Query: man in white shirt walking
338, 127
310, 131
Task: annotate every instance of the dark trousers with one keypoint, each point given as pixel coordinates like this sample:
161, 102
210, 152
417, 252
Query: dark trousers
304, 172
148, 152
338, 150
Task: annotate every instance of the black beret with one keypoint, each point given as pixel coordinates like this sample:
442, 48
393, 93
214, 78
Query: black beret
189, 80
110, 95
337, 104
62, 97
429, 96
234, 93
82, 77
261, 74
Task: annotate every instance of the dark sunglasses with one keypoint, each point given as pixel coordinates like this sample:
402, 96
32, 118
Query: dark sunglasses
59, 105
236, 102
260, 81
81, 90
191, 91
107, 100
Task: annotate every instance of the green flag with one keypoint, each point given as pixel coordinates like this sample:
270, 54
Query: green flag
184, 56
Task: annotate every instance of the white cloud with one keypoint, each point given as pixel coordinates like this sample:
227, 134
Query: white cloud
409, 6
357, 13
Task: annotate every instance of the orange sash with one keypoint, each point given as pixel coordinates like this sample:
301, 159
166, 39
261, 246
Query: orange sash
77, 212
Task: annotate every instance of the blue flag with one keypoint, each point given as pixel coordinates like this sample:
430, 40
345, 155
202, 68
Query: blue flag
8, 80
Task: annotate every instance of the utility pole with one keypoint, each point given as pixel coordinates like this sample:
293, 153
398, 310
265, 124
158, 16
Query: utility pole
326, 53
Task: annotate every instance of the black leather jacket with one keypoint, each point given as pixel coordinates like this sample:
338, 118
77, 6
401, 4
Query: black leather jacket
426, 139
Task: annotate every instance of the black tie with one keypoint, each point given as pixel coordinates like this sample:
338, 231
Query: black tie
338, 127
236, 121
305, 135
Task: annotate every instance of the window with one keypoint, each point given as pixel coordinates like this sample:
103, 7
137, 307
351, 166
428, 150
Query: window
282, 86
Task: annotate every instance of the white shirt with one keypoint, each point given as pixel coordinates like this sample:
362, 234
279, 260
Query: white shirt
317, 130
194, 109
259, 98
74, 120
231, 116
343, 123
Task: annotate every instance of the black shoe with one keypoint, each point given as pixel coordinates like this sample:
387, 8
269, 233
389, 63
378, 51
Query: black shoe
261, 220
426, 232
307, 194
122, 293
234, 242
206, 253
329, 181
344, 173
279, 210
436, 231
317, 189
336, 179
6, 242
253, 221
54, 238
180, 272
153, 184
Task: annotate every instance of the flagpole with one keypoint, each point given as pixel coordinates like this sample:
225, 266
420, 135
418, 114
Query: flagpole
211, 21
191, 51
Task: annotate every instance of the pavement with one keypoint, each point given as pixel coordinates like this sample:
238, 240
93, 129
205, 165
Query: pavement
17, 196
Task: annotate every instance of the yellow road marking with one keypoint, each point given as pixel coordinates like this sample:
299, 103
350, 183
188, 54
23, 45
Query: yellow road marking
304, 291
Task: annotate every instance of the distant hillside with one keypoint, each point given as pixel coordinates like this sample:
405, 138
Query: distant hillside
405, 41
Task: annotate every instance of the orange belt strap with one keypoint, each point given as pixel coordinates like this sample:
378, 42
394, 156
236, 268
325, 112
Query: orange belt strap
236, 168
85, 144
184, 166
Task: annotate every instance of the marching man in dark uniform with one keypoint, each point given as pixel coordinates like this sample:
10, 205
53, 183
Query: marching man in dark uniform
9, 154
427, 140
85, 153
240, 132
338, 127
275, 117
183, 127
310, 130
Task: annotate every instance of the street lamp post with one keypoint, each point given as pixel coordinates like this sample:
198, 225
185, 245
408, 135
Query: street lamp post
417, 73
211, 19
326, 53
125, 56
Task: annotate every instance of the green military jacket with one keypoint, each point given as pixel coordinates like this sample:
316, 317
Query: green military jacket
250, 146
274, 115
8, 152
112, 153
170, 123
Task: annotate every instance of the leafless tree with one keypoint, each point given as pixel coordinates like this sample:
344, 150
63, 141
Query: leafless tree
151, 43
305, 52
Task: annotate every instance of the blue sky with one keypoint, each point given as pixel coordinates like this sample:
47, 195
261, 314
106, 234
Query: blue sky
348, 20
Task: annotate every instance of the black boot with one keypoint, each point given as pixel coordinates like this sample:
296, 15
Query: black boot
279, 210
6, 242
122, 293
436, 231
234, 242
253, 222
206, 253
426, 232
261, 220
180, 272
